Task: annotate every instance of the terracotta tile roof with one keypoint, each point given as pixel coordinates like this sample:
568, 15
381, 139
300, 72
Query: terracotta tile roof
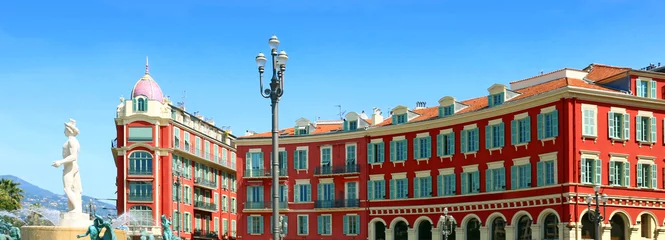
556, 71
320, 128
474, 104
599, 72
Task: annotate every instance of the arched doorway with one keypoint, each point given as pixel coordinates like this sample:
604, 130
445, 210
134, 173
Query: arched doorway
424, 230
588, 227
401, 231
524, 228
498, 229
379, 231
647, 226
618, 231
551, 227
473, 229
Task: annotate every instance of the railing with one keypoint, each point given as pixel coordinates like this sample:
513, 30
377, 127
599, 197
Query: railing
205, 205
143, 198
346, 169
140, 171
205, 233
264, 205
264, 172
339, 203
205, 182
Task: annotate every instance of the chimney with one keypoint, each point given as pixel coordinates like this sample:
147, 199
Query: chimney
377, 117
363, 115
249, 133
420, 105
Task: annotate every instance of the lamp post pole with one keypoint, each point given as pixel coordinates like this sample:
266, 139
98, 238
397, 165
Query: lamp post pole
446, 222
595, 216
274, 93
178, 174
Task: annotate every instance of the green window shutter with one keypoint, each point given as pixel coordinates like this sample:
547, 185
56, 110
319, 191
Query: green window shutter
528, 128
599, 171
439, 185
610, 124
503, 178
319, 224
653, 89
416, 148
638, 131
370, 190
428, 148
476, 144
490, 103
392, 151
583, 170
654, 176
429, 186
416, 187
381, 152
639, 175
286, 229
540, 174
488, 137
296, 159
392, 189
405, 149
513, 132
540, 126
394, 119
612, 177
476, 181
528, 175
653, 130
451, 143
555, 123
626, 174
463, 141
296, 194
248, 161
626, 126
502, 128
261, 224
345, 126
513, 177
357, 224
465, 181
638, 87
249, 224
346, 223
319, 192
488, 180
440, 111
439, 145
370, 153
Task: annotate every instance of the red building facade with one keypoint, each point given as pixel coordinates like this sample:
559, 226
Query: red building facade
518, 163
175, 164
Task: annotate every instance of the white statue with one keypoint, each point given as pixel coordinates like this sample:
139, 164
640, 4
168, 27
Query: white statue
71, 178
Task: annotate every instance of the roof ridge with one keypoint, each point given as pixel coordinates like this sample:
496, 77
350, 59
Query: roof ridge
555, 71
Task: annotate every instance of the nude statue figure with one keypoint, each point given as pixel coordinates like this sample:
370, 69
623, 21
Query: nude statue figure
71, 178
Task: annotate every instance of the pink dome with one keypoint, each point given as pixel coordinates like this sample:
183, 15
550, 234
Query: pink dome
147, 87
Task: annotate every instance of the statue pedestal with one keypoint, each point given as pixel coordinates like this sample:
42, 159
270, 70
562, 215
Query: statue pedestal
70, 219
60, 233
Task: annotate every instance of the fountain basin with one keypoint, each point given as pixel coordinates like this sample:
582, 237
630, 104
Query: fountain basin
60, 233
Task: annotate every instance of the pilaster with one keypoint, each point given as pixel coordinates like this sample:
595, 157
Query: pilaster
484, 233
390, 234
510, 232
411, 233
460, 234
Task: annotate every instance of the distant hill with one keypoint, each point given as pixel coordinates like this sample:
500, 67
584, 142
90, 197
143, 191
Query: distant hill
34, 194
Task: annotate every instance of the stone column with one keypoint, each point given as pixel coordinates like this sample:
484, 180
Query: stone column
389, 234
411, 233
460, 233
484, 233
510, 232
635, 233
535, 231
436, 234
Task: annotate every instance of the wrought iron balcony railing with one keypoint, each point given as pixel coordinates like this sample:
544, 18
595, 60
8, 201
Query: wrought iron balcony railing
264, 205
142, 197
142, 172
339, 203
205, 205
264, 172
346, 169
205, 182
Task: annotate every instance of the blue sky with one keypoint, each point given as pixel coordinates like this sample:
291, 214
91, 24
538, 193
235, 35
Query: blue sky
74, 59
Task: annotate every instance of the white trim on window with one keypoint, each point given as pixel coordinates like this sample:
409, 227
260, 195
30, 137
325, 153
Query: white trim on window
495, 164
398, 138
621, 157
326, 180
548, 156
495, 121
446, 131
377, 177
644, 114
401, 175
521, 116
253, 150
547, 109
376, 140
446, 171
305, 148
590, 154
618, 110
471, 126
422, 135
298, 224
424, 173
470, 168
521, 161
646, 159
302, 181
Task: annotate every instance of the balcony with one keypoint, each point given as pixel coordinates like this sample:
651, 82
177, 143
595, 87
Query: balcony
114, 143
205, 183
263, 173
204, 234
339, 203
338, 170
140, 172
264, 205
205, 206
140, 198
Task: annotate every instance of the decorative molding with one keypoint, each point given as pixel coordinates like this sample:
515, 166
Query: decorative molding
470, 168
423, 173
521, 116
521, 161
495, 164
401, 175
446, 171
470, 126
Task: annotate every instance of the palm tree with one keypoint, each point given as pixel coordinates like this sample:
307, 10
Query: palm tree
11, 189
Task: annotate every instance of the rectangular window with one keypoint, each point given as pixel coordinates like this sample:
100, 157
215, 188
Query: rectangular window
255, 224
216, 224
302, 225
646, 88
300, 161
351, 224
445, 185
445, 144
324, 224
351, 188
619, 173
215, 154
618, 125
646, 129
283, 162
469, 140
225, 226
176, 137
520, 130
140, 134
351, 156
470, 182
422, 147
496, 99
234, 205
188, 222
187, 140
449, 110
495, 179
302, 193
589, 122
494, 136
521, 176
326, 194
206, 147
375, 152
591, 170
376, 189
422, 187
400, 119
255, 198
140, 191
548, 125
353, 125
233, 228
647, 175
225, 203
399, 188
398, 150
326, 160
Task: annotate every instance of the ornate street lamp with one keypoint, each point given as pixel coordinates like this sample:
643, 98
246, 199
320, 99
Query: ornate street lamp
447, 223
177, 173
284, 225
274, 93
594, 215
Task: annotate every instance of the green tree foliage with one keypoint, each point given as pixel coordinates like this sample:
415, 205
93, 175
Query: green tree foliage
10, 195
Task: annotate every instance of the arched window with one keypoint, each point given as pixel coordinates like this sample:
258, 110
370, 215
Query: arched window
524, 228
588, 227
498, 229
473, 229
141, 216
551, 227
140, 104
140, 163
647, 224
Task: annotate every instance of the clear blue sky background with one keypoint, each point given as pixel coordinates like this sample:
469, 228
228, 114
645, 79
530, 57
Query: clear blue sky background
74, 59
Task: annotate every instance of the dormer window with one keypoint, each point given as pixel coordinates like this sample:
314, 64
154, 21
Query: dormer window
302, 131
646, 87
496, 99
140, 104
353, 125
400, 119
447, 110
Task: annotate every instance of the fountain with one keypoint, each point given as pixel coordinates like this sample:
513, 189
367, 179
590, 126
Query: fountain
69, 225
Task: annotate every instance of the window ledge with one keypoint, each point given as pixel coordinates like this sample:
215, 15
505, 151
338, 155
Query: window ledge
376, 164
525, 144
303, 234
553, 139
591, 137
450, 157
495, 149
403, 162
300, 202
469, 153
352, 235
620, 140
640, 143
299, 170
422, 159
